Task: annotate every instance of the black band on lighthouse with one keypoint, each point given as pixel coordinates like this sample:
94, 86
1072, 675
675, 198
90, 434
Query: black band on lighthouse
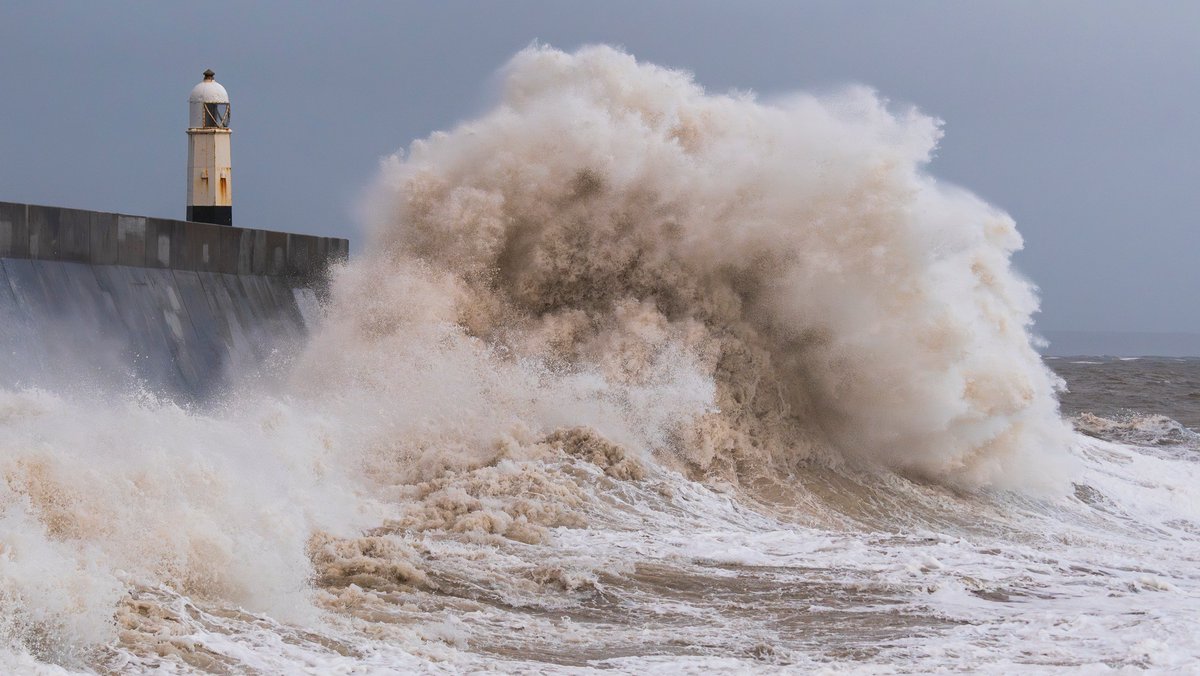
217, 215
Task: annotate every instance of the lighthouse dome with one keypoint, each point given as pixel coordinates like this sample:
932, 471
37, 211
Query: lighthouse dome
208, 104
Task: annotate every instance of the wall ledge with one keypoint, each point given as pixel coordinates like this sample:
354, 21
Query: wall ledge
40, 232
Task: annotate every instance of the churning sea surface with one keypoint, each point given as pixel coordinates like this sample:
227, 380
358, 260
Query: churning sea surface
844, 571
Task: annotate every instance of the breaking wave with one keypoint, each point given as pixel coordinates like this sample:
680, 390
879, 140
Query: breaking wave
615, 304
842, 301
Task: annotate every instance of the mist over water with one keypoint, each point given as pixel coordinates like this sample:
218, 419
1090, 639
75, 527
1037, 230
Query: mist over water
630, 375
840, 299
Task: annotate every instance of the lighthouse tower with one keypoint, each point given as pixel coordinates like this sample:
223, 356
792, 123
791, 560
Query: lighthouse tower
210, 184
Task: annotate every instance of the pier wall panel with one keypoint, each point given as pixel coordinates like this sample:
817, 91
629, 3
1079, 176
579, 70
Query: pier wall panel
56, 233
14, 233
182, 334
182, 309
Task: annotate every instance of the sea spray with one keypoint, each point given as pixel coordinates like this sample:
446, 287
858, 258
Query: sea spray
99, 497
845, 303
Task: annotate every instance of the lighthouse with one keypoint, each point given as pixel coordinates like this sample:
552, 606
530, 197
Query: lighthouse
210, 183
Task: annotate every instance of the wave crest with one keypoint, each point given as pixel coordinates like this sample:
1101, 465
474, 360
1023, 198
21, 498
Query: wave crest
845, 304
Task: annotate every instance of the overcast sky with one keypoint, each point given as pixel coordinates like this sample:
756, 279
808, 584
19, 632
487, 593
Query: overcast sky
1082, 119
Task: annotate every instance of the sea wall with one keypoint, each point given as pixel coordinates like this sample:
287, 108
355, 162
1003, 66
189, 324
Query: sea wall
174, 308
55, 233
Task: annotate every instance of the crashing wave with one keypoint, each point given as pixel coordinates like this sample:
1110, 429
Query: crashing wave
843, 301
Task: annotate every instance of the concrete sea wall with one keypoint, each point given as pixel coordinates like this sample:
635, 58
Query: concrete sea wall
54, 233
172, 307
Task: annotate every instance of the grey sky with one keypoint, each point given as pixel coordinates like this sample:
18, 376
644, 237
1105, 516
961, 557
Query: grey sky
1079, 118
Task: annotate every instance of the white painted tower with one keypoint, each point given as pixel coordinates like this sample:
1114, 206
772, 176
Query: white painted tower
210, 180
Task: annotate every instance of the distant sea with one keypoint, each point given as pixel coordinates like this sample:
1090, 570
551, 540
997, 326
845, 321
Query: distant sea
1120, 344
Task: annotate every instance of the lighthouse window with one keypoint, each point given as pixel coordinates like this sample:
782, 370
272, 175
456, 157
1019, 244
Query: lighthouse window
216, 115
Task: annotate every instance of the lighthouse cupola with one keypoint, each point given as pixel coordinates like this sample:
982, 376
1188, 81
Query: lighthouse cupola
210, 179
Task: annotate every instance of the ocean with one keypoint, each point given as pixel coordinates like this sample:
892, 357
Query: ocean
637, 378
